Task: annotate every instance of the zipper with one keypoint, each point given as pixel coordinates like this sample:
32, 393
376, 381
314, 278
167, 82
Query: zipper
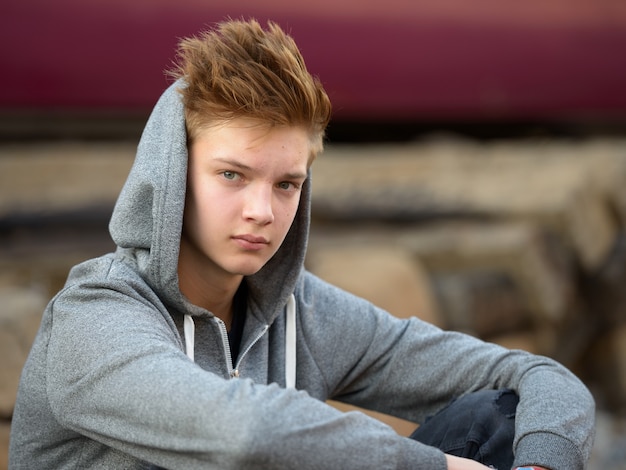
245, 351
226, 346
233, 372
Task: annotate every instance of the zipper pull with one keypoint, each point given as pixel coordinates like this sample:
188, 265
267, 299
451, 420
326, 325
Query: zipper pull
234, 373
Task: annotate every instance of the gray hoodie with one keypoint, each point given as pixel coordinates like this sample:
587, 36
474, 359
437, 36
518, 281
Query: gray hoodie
109, 382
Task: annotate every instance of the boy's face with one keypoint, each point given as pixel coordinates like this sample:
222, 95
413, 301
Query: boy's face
243, 191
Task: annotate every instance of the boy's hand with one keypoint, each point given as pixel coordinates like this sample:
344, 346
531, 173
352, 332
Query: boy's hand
459, 463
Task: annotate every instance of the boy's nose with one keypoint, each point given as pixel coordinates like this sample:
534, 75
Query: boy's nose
258, 205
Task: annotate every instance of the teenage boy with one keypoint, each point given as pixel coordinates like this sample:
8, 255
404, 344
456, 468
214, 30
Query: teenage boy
202, 342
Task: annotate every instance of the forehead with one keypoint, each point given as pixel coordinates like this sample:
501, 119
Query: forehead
251, 144
245, 134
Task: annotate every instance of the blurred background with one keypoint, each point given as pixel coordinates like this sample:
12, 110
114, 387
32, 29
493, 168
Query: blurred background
474, 174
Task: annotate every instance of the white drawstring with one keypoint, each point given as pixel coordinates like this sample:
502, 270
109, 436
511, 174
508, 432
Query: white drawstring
290, 343
190, 333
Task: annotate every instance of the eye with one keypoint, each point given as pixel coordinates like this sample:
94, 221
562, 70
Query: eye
288, 186
230, 175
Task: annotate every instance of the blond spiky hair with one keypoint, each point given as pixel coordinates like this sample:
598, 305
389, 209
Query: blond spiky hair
240, 70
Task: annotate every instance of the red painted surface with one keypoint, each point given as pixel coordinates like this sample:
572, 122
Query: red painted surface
429, 59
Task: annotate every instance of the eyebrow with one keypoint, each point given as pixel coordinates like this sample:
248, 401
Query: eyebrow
245, 167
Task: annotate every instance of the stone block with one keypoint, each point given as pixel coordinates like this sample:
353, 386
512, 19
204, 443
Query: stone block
5, 430
607, 366
485, 279
563, 188
20, 315
387, 276
401, 426
51, 177
524, 340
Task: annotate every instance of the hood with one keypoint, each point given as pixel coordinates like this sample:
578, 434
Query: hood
148, 216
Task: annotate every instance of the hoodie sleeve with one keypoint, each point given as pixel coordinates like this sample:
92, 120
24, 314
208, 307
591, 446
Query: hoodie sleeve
116, 374
423, 368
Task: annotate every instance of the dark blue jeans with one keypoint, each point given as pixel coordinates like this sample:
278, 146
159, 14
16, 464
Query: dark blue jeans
478, 426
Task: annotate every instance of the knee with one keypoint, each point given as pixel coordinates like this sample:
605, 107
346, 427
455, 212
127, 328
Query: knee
500, 402
486, 412
479, 425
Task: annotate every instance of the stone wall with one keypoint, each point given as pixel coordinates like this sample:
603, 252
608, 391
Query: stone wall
520, 243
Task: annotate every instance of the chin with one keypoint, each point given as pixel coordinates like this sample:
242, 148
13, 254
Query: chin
248, 270
244, 267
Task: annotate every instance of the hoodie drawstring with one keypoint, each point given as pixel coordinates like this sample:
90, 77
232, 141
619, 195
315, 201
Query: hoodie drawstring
190, 335
290, 341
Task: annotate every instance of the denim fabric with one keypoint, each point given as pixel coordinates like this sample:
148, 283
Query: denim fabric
479, 426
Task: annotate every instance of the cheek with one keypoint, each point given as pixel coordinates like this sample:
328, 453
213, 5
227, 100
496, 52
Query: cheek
288, 213
199, 208
207, 196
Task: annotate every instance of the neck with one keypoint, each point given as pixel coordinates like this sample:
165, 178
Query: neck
216, 299
207, 289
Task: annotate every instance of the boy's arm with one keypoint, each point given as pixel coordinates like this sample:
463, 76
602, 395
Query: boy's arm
423, 368
127, 385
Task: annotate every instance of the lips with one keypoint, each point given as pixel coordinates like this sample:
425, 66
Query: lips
251, 239
251, 242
